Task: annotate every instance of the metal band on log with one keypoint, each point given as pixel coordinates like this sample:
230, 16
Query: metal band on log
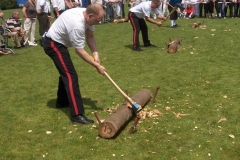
111, 125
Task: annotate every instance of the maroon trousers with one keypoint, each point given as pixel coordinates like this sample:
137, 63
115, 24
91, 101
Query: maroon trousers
68, 88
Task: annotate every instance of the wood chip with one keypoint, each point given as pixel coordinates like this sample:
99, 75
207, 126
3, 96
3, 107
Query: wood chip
167, 108
231, 136
157, 112
222, 119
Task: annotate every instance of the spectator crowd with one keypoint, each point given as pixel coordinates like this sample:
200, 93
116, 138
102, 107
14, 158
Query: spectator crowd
24, 34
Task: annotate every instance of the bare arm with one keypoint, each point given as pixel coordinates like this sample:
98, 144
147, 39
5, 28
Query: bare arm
24, 12
153, 21
91, 42
85, 56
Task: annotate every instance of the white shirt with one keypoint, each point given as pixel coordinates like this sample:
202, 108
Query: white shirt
69, 29
144, 9
45, 3
60, 4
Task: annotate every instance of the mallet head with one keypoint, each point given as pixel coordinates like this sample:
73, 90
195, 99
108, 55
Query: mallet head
135, 107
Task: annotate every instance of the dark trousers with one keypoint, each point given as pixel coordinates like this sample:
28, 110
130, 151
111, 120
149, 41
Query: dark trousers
55, 13
68, 87
138, 24
174, 16
122, 8
44, 23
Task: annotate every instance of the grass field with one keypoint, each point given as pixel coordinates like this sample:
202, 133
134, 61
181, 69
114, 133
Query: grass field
200, 80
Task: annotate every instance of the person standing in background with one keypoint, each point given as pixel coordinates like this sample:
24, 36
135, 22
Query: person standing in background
43, 13
174, 16
30, 13
58, 7
137, 16
195, 5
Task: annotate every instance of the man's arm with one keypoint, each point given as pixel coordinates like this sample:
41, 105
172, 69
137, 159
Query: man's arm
1, 14
86, 57
153, 21
91, 42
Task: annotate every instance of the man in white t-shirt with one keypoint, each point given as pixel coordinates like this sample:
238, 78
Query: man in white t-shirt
137, 14
71, 29
59, 7
43, 11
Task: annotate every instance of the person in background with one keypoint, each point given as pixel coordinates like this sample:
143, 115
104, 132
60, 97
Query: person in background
30, 14
122, 8
43, 13
174, 16
71, 29
137, 16
208, 8
69, 4
58, 7
195, 5
189, 12
15, 26
77, 3
2, 50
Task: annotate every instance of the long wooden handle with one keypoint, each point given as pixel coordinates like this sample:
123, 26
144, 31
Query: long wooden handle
174, 9
119, 89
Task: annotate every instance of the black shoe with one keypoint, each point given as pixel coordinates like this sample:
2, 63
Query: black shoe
81, 119
58, 105
138, 50
174, 26
149, 45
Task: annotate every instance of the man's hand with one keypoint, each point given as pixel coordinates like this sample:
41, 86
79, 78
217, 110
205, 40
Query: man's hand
101, 69
159, 24
1, 14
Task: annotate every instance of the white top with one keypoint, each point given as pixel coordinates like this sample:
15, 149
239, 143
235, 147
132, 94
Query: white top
60, 4
69, 28
143, 9
45, 3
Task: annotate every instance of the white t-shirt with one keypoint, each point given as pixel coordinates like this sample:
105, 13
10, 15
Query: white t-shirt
60, 4
69, 28
143, 9
46, 4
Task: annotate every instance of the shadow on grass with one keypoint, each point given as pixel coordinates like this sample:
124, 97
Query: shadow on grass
86, 101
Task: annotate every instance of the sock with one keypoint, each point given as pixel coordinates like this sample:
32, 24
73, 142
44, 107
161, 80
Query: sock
172, 22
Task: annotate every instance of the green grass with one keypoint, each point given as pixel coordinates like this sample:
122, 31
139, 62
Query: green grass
201, 79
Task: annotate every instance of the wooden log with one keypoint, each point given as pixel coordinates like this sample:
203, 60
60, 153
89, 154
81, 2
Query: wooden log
196, 24
112, 125
172, 48
174, 44
116, 21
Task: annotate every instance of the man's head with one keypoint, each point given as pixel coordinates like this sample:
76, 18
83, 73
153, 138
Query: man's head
155, 3
94, 14
16, 14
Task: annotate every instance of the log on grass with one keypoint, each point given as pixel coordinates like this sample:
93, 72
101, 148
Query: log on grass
116, 21
112, 125
196, 24
172, 47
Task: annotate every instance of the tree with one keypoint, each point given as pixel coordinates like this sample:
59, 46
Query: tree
8, 4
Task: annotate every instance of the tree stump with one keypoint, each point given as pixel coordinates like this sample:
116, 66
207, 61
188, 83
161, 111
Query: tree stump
112, 125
